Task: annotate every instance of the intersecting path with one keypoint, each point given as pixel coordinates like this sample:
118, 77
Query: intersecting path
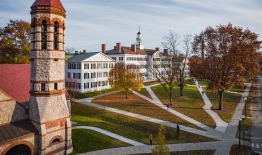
157, 102
211, 134
222, 147
220, 124
110, 134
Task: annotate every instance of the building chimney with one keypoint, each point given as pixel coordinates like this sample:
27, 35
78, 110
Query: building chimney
84, 51
133, 47
76, 53
165, 52
118, 47
104, 48
157, 48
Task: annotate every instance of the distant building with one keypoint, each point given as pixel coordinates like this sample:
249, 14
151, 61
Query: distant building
88, 71
136, 54
183, 62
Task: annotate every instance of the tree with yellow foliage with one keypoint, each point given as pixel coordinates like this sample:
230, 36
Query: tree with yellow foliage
125, 78
161, 148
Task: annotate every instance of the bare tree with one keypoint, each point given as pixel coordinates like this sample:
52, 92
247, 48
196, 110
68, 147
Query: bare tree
163, 66
182, 61
169, 67
69, 50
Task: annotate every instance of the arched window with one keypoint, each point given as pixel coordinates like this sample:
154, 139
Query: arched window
56, 36
44, 35
56, 141
19, 149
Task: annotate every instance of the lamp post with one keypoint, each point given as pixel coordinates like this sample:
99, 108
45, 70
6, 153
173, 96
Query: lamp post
239, 131
245, 108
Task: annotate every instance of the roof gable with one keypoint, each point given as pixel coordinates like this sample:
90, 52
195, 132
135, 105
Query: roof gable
99, 57
89, 56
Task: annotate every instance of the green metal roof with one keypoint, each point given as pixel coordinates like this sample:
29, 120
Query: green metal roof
81, 57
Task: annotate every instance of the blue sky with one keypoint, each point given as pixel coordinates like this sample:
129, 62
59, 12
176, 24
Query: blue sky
90, 23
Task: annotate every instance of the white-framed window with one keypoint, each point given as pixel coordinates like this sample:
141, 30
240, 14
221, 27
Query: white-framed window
86, 85
78, 66
93, 84
68, 75
99, 74
93, 75
105, 74
93, 66
99, 66
121, 59
86, 75
105, 65
86, 66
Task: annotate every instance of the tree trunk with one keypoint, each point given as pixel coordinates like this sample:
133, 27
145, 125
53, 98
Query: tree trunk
220, 100
170, 97
181, 90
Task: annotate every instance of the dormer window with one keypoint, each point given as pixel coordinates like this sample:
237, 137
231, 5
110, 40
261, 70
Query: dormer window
44, 35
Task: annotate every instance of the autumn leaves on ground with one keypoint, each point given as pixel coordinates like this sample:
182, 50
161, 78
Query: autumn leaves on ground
139, 130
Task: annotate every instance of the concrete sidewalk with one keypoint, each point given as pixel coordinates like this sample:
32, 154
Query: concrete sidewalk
220, 124
110, 134
222, 147
157, 102
212, 134
230, 133
148, 148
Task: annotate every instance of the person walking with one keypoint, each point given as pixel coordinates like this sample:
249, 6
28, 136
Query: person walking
202, 92
168, 106
150, 139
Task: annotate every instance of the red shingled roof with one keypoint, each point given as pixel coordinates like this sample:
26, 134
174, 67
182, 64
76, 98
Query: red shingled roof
55, 3
15, 81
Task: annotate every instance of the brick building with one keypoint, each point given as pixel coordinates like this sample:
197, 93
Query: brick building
34, 114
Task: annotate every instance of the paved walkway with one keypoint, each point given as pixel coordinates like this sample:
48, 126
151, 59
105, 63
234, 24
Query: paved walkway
222, 147
147, 148
157, 102
211, 134
220, 124
230, 133
110, 134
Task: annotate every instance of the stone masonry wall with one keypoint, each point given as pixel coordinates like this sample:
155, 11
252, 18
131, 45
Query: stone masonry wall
49, 108
10, 110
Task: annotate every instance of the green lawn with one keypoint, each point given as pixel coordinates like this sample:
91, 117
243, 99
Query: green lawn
191, 104
138, 105
229, 104
144, 92
91, 94
88, 140
125, 126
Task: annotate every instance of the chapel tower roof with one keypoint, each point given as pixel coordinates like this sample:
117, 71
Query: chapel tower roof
54, 3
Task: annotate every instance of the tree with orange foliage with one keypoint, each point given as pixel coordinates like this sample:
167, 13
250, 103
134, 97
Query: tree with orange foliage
230, 55
125, 78
15, 43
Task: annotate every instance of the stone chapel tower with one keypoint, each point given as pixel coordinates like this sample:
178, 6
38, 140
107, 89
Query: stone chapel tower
48, 109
